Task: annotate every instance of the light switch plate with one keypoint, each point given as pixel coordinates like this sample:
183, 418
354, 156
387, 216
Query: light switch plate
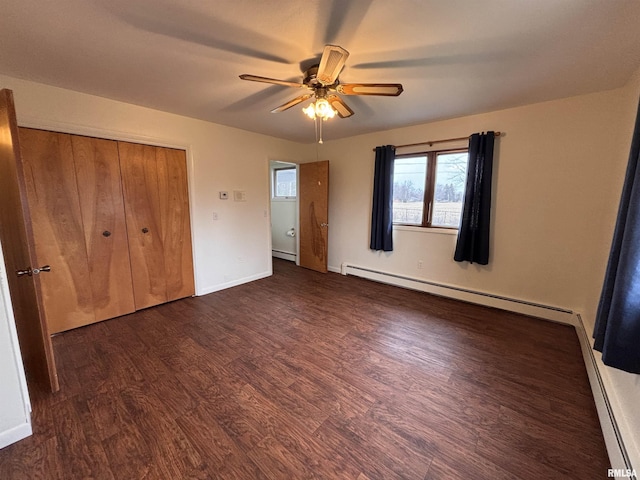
224, 195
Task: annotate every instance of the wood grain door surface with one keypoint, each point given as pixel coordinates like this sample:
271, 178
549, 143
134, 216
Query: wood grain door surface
176, 223
314, 215
112, 218
19, 254
56, 219
66, 214
105, 231
157, 210
142, 207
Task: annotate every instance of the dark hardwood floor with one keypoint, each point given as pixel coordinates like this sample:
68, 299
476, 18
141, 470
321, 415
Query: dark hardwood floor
305, 375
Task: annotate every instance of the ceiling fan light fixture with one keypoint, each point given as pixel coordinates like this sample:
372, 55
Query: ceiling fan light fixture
320, 109
310, 111
323, 109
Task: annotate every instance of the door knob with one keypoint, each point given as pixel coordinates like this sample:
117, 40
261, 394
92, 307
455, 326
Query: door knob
22, 273
145, 230
33, 271
106, 233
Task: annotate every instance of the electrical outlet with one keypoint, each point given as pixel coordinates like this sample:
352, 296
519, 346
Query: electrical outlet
420, 264
215, 215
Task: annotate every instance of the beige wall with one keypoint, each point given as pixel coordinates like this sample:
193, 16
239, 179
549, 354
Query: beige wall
553, 169
233, 249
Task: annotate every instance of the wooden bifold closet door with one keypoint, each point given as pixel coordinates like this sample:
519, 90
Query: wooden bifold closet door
157, 209
77, 214
108, 257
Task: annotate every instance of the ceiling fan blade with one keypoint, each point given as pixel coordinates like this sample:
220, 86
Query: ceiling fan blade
292, 103
339, 106
384, 89
255, 78
332, 61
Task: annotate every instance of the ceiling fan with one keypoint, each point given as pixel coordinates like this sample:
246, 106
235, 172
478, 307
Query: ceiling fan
322, 82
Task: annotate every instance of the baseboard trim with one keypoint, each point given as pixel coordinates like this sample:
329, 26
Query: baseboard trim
233, 283
548, 312
15, 434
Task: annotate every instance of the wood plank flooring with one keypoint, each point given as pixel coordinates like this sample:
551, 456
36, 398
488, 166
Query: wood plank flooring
305, 375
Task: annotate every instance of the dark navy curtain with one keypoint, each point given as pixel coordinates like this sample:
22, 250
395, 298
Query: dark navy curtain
473, 235
617, 331
382, 212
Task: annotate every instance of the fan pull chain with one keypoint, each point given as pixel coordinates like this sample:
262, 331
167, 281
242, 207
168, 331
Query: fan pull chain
315, 127
320, 124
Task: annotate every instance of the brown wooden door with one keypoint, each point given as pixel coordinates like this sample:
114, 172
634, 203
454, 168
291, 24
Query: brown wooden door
314, 215
105, 231
18, 244
56, 219
142, 207
154, 181
176, 224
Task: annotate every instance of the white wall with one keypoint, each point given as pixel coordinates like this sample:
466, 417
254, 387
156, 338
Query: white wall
15, 418
231, 250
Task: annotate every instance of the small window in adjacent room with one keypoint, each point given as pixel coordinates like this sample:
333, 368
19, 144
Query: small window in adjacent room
428, 188
284, 183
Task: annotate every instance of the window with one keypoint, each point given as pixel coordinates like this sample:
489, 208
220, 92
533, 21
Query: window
284, 182
428, 188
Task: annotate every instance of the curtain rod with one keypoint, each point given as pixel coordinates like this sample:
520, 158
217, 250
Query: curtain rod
432, 142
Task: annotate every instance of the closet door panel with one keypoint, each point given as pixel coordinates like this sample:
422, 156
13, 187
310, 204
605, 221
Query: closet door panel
105, 231
52, 195
176, 225
142, 209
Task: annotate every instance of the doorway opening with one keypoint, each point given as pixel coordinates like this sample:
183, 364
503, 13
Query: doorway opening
284, 210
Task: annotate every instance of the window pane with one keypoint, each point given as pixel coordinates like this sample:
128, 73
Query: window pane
408, 189
285, 183
451, 175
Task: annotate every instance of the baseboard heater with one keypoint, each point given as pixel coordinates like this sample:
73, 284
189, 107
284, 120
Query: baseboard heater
613, 436
605, 410
548, 312
283, 255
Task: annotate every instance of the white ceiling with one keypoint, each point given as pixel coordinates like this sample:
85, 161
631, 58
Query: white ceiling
454, 57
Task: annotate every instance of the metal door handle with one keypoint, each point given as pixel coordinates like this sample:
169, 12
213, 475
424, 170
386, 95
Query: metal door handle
33, 271
145, 230
22, 273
